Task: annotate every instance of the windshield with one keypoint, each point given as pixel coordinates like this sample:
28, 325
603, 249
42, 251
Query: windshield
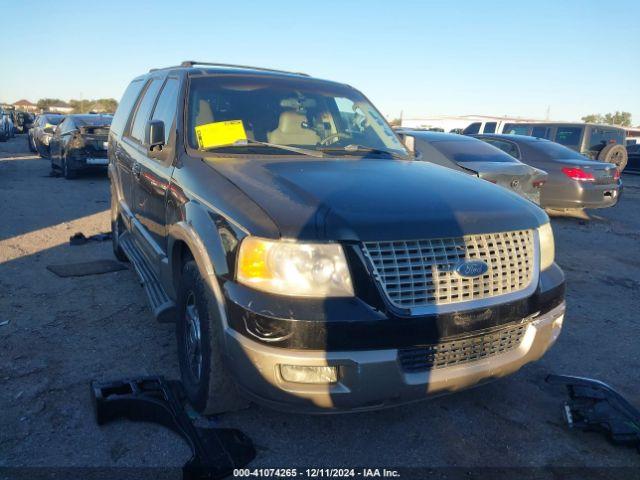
461, 151
556, 151
303, 113
93, 121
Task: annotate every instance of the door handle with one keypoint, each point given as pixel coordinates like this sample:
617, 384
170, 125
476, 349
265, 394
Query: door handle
136, 169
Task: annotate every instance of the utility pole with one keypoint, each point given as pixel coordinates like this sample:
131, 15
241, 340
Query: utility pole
548, 112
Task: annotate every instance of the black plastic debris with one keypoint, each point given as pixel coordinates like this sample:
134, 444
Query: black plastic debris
79, 238
595, 406
82, 269
215, 451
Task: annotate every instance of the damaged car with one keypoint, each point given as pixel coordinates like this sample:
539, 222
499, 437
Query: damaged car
79, 143
574, 182
42, 132
468, 155
308, 260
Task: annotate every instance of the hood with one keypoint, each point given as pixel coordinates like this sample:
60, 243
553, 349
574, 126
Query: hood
376, 199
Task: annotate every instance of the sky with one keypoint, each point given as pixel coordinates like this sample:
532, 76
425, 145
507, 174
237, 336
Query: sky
421, 58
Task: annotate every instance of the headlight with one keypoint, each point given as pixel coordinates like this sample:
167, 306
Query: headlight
547, 246
292, 268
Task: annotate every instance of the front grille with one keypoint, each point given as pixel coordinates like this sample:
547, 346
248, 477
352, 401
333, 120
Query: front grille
422, 273
464, 350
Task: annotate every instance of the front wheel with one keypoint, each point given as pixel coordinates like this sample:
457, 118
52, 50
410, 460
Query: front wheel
199, 333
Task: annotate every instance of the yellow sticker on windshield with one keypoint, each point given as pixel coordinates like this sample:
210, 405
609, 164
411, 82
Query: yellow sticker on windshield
220, 133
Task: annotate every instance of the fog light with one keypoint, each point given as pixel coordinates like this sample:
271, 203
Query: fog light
307, 374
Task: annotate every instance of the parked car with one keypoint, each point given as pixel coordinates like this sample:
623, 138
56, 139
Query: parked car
604, 143
42, 132
469, 155
309, 262
633, 152
23, 121
574, 181
80, 143
6, 125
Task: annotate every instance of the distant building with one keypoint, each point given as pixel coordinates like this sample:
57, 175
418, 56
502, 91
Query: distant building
62, 107
25, 105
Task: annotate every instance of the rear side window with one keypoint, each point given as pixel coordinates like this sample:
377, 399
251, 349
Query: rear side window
540, 132
601, 137
461, 151
515, 129
569, 136
143, 112
126, 104
473, 128
490, 127
166, 107
506, 147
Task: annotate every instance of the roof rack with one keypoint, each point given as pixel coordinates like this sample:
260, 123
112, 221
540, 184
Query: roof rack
193, 63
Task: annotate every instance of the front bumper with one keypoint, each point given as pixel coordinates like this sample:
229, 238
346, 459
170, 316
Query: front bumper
372, 379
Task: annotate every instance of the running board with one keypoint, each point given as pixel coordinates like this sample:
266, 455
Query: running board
163, 308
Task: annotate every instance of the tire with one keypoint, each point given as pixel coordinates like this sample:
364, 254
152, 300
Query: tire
615, 154
32, 146
66, 171
199, 334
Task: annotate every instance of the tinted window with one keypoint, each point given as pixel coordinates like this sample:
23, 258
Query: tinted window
490, 127
93, 120
515, 129
507, 147
473, 128
555, 151
601, 137
470, 151
540, 132
126, 104
166, 107
569, 136
144, 110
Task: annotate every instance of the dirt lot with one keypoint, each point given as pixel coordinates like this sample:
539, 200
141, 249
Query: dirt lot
64, 332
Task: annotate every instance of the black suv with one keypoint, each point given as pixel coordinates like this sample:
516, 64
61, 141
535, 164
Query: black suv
309, 262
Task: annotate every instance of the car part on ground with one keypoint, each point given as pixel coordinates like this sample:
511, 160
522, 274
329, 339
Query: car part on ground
216, 452
303, 251
573, 180
469, 155
594, 405
79, 238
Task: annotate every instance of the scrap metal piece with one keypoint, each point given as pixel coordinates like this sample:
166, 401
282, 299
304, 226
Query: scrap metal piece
594, 405
215, 451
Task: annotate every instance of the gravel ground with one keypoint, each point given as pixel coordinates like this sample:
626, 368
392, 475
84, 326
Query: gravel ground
64, 332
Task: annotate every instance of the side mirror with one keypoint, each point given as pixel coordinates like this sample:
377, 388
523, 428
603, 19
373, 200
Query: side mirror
155, 134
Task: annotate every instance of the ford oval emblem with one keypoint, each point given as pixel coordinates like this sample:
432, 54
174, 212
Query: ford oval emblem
472, 268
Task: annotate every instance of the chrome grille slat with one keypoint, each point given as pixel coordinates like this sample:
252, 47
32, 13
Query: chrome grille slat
420, 273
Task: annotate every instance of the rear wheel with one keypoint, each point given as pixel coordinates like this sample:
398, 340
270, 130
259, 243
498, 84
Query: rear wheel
199, 333
615, 154
67, 171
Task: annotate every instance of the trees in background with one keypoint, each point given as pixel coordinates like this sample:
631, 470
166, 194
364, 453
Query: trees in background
100, 105
622, 119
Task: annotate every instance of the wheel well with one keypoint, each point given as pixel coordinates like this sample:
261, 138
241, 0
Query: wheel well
180, 255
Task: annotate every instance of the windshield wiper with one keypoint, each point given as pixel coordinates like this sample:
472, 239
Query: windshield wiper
353, 148
248, 142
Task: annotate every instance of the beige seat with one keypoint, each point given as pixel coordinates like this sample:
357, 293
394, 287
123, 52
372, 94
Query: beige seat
205, 115
291, 132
